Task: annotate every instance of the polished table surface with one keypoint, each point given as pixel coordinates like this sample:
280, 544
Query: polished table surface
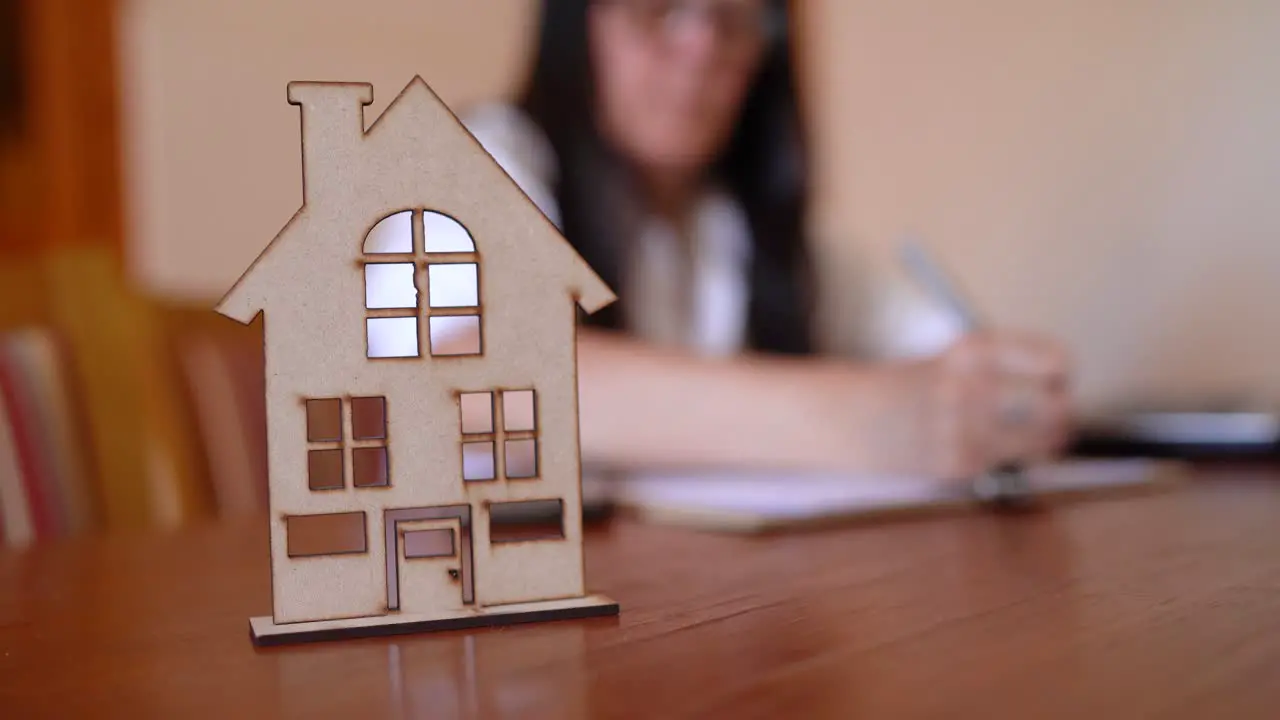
1160, 606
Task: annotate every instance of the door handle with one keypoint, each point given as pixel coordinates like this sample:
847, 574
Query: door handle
453, 573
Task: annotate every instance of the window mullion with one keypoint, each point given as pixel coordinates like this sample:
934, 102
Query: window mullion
389, 258
420, 284
348, 431
453, 258
390, 313
423, 310
499, 438
454, 311
416, 231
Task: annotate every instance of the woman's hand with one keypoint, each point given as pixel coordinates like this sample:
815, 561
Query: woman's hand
985, 400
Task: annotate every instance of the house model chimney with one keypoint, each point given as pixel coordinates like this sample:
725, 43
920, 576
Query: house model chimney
332, 130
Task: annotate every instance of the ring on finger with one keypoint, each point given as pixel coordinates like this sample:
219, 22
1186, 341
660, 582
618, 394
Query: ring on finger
1016, 409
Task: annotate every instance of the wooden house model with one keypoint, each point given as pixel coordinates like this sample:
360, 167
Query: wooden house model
420, 320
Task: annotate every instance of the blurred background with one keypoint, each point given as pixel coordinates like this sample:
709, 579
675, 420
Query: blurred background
1101, 170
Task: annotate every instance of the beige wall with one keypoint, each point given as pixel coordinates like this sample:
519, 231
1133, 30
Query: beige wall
211, 143
1099, 169
1105, 170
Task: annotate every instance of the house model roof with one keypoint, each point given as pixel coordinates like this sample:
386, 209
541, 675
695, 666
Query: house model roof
416, 154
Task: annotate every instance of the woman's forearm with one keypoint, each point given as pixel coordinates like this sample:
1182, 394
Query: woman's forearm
645, 406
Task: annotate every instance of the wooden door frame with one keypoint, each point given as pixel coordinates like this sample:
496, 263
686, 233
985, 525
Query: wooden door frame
391, 521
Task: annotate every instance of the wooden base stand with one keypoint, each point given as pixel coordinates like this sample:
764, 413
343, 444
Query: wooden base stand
266, 632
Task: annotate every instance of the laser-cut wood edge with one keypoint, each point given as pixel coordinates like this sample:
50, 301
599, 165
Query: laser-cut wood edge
466, 545
266, 633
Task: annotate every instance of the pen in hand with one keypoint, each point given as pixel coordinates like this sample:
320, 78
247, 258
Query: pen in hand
1004, 487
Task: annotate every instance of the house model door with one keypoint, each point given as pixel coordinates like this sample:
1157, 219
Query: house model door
429, 562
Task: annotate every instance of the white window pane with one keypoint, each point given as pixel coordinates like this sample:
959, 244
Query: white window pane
517, 410
521, 457
389, 285
477, 412
392, 234
456, 285
477, 461
455, 335
393, 337
441, 233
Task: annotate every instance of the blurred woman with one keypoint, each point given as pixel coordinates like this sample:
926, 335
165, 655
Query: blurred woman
664, 139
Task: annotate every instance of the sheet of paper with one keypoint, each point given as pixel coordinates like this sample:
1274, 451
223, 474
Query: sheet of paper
808, 495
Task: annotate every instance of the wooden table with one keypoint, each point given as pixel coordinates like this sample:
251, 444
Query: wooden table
1165, 606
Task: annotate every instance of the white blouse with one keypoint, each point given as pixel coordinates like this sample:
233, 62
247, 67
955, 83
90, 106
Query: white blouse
690, 293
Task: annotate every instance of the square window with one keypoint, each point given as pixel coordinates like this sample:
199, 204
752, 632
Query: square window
477, 461
369, 418
392, 337
369, 467
453, 285
324, 420
389, 285
454, 334
517, 410
521, 457
477, 412
324, 469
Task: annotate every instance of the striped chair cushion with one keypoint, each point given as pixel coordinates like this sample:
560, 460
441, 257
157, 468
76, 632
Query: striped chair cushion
221, 366
44, 486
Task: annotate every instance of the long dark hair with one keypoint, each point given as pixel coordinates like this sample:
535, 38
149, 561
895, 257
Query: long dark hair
764, 166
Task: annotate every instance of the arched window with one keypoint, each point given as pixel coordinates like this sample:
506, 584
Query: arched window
412, 249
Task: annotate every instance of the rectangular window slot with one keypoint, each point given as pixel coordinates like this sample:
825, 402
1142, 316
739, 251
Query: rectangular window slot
454, 334
428, 544
526, 520
392, 337
334, 534
477, 412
